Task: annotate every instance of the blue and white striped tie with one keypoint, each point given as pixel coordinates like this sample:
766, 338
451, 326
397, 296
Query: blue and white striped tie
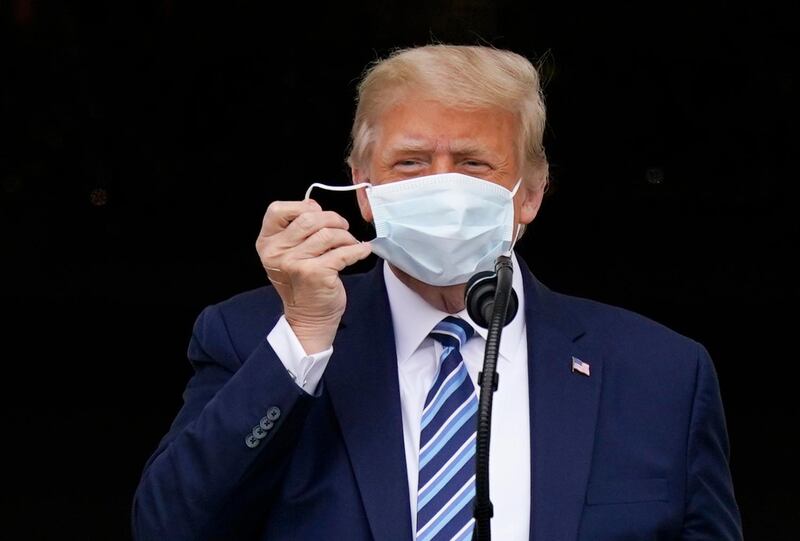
447, 443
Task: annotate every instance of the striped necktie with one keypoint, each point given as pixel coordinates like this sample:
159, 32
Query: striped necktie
447, 443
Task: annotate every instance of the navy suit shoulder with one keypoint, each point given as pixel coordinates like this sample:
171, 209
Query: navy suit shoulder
615, 322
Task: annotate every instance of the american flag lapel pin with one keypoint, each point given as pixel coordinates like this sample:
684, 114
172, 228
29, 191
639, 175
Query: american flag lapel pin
580, 366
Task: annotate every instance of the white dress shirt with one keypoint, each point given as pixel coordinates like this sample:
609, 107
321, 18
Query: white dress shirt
417, 358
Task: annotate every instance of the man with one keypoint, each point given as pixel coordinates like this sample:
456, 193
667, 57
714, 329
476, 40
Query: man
328, 407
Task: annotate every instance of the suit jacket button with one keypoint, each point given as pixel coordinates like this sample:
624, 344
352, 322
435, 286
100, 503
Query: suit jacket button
259, 432
251, 441
266, 424
273, 413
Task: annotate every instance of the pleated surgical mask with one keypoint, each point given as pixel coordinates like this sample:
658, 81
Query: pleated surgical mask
440, 229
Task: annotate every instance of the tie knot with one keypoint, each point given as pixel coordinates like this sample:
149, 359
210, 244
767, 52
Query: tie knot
452, 331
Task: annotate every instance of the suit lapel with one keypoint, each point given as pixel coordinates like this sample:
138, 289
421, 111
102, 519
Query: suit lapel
563, 413
362, 381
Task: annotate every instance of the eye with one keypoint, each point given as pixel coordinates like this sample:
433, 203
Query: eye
408, 164
476, 165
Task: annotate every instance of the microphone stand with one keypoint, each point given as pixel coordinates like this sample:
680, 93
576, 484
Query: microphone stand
497, 310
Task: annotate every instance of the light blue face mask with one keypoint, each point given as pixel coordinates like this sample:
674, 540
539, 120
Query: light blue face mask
440, 229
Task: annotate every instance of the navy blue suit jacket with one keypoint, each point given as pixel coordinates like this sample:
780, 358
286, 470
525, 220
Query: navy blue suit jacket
636, 451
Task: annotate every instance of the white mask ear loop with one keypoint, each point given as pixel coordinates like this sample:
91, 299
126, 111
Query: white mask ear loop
336, 188
516, 187
521, 228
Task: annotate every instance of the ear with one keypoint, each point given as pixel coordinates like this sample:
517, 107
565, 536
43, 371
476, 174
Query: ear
531, 202
359, 175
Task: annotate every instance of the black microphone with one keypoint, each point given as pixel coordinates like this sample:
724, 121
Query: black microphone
491, 303
480, 293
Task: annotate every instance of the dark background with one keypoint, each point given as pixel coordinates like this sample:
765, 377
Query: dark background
141, 141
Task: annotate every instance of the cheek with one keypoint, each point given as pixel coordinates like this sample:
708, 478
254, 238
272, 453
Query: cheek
363, 205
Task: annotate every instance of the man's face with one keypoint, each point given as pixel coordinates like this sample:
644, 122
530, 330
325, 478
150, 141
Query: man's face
419, 136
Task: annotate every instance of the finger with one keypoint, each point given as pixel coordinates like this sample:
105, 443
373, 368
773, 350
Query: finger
344, 256
308, 223
322, 241
280, 214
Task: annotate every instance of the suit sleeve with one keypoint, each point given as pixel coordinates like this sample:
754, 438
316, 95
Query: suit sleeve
711, 509
240, 417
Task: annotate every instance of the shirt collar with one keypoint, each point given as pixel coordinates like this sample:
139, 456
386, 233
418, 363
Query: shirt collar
413, 318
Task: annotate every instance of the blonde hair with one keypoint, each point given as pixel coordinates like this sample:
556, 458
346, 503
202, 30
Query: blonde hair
455, 75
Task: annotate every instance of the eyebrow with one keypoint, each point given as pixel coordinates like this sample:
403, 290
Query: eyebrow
459, 148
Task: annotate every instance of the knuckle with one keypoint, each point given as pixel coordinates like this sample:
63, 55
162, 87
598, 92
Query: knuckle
344, 260
274, 208
330, 281
325, 235
305, 221
270, 258
335, 218
264, 247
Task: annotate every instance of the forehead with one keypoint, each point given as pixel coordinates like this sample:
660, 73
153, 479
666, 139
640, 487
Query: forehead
420, 123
